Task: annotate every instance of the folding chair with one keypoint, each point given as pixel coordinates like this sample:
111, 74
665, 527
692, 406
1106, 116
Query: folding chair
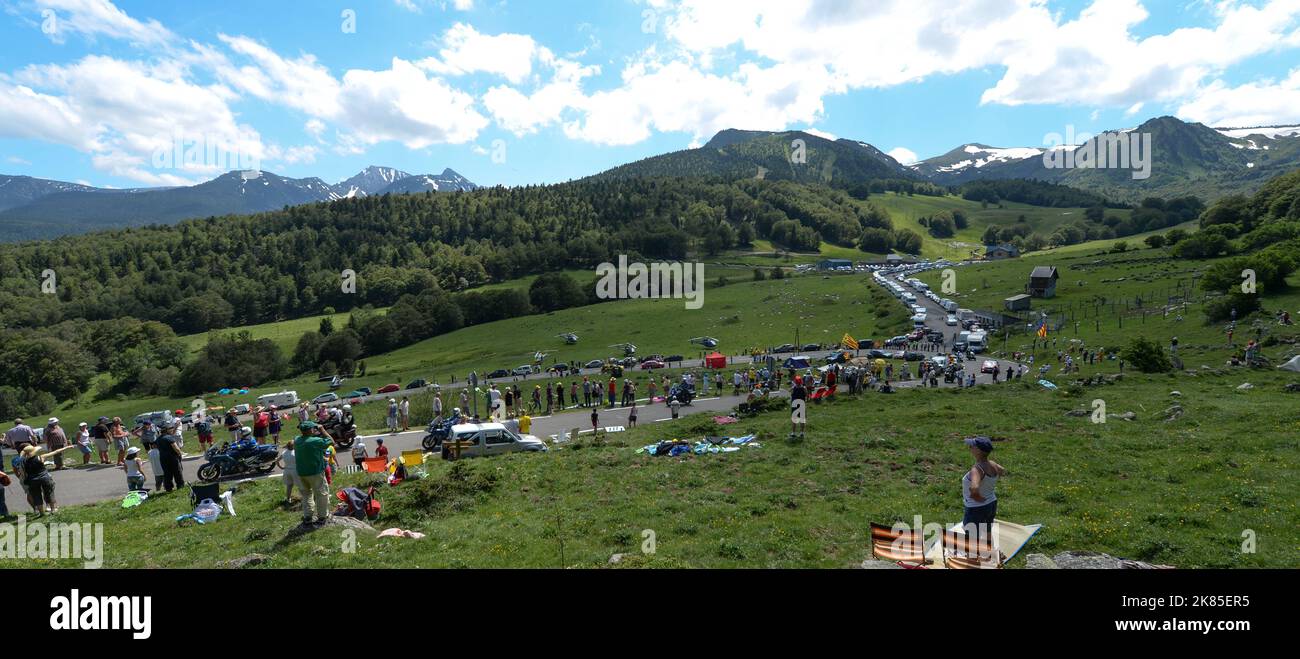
375, 465
963, 553
413, 458
901, 546
201, 491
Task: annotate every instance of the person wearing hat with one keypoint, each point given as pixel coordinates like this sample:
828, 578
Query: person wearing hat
392, 415
977, 489
55, 438
309, 459
134, 469
83, 442
40, 485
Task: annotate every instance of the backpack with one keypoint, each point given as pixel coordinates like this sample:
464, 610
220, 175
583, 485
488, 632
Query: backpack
204, 427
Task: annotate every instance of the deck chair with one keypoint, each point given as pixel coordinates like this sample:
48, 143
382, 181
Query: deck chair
900, 546
375, 465
199, 492
413, 458
963, 553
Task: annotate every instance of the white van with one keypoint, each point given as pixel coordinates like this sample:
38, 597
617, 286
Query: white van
948, 305
909, 298
978, 342
281, 400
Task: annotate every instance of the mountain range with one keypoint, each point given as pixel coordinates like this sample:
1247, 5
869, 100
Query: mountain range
32, 208
1185, 159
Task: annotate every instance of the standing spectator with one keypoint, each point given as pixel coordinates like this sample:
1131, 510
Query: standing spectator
121, 439
20, 436
595, 418
359, 453
289, 459
169, 446
204, 428
83, 442
309, 449
977, 490
275, 424
613, 390
381, 451
631, 416
40, 485
509, 397
261, 425
56, 439
100, 435
437, 404
155, 464
392, 415
233, 425
404, 412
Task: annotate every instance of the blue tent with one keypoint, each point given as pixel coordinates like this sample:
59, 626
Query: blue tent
798, 361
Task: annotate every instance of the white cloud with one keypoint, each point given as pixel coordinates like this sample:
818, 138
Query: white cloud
92, 18
17, 161
466, 50
1262, 103
820, 133
124, 114
302, 83
903, 155
403, 105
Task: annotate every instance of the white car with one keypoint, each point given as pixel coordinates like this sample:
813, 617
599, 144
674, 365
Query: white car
951, 320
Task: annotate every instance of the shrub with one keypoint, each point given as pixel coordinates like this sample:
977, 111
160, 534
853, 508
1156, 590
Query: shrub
1146, 356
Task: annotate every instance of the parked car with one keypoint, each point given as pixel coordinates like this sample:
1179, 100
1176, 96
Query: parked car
327, 397
357, 394
896, 341
911, 356
951, 320
674, 358
786, 347
812, 347
160, 419
595, 363
558, 369
499, 373
651, 364
241, 409
523, 371
418, 383
988, 365
485, 440
389, 388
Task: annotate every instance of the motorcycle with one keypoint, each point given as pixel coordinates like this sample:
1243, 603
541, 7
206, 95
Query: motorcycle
438, 430
344, 435
234, 460
682, 393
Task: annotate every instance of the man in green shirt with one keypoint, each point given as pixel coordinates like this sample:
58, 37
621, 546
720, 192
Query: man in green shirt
309, 447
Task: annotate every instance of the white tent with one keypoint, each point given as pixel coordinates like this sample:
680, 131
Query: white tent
1293, 365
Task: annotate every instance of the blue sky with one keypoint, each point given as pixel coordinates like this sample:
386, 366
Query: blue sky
533, 92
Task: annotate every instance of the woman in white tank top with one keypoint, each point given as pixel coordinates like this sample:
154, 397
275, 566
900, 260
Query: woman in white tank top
978, 485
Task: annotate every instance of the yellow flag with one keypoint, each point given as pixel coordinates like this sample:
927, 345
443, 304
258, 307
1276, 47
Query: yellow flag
849, 342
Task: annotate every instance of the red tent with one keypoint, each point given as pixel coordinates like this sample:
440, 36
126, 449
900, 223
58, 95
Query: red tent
715, 360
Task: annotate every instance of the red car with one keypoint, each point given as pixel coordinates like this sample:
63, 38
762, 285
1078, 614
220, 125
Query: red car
388, 389
988, 366
652, 364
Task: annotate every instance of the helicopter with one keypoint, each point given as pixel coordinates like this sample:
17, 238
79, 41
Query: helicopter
629, 349
569, 337
539, 357
706, 341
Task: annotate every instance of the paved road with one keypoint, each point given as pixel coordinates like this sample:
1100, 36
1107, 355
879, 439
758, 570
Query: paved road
102, 482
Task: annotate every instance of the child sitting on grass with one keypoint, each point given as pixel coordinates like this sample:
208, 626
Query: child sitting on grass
134, 469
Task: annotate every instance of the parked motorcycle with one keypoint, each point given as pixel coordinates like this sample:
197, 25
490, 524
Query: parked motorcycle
438, 430
235, 460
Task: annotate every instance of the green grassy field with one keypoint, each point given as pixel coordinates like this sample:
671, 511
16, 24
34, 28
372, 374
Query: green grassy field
1100, 291
1181, 492
741, 315
905, 211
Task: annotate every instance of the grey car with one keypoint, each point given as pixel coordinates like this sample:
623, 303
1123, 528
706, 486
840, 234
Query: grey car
470, 440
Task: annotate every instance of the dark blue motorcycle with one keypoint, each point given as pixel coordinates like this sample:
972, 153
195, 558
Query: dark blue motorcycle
436, 433
236, 460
